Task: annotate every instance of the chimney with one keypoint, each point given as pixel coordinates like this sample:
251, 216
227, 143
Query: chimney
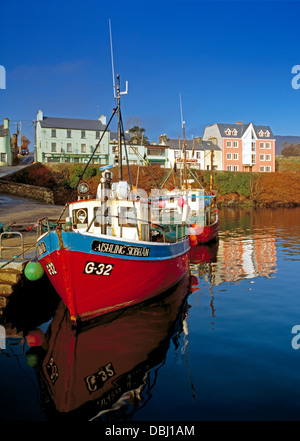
6, 123
39, 116
163, 140
102, 119
239, 122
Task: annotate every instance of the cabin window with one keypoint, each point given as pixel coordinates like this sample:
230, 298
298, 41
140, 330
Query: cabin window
127, 217
80, 218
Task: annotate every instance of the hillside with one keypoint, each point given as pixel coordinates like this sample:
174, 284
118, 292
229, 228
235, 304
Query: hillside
232, 188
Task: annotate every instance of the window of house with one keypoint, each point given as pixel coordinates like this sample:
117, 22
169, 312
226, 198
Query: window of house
267, 134
235, 156
3, 157
67, 160
253, 147
262, 145
268, 145
175, 153
97, 134
83, 148
234, 132
198, 155
235, 144
262, 157
76, 160
228, 143
53, 146
82, 133
69, 133
228, 155
69, 147
53, 133
268, 168
235, 168
253, 159
262, 168
268, 157
228, 167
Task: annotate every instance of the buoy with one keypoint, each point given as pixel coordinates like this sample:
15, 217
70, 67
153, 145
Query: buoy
162, 204
181, 202
36, 337
34, 356
33, 270
193, 240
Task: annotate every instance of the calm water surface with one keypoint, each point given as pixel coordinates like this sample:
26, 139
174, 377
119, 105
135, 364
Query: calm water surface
219, 349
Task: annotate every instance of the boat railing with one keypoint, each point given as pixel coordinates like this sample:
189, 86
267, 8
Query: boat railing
134, 221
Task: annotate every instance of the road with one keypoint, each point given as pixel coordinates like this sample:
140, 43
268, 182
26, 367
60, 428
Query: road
24, 162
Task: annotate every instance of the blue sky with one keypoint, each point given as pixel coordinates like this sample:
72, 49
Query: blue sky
230, 61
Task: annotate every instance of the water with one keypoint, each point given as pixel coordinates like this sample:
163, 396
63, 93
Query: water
223, 352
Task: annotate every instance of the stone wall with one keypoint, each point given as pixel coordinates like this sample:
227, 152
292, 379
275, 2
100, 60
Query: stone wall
41, 194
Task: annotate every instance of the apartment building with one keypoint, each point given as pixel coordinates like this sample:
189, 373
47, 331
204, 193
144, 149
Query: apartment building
245, 147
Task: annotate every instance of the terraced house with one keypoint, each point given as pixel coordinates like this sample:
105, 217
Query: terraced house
70, 140
245, 147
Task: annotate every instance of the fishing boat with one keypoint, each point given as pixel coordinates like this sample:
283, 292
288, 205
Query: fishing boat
108, 254
196, 205
110, 363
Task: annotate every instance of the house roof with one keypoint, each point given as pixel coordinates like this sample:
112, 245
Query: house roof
114, 137
241, 129
71, 123
192, 144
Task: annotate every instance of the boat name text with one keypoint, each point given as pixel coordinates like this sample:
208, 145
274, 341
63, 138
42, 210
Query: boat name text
117, 248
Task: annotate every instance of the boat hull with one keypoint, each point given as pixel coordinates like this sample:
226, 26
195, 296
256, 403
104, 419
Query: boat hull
93, 283
209, 233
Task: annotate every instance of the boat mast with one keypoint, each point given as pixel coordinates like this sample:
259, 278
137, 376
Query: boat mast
184, 147
119, 129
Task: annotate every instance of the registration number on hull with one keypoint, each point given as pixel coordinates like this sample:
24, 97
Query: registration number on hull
97, 268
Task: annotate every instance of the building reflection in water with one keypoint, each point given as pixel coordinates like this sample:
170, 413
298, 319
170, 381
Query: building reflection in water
235, 258
106, 370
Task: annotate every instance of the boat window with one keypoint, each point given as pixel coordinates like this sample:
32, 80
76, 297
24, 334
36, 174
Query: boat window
80, 218
127, 217
99, 219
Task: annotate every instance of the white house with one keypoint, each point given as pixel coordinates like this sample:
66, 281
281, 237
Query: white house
70, 140
5, 145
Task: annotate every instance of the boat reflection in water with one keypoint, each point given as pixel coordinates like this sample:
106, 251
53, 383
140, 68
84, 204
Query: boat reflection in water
106, 365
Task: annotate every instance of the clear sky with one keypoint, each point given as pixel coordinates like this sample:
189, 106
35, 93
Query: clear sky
230, 61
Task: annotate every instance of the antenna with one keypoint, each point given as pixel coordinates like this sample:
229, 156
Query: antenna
182, 122
112, 66
112, 60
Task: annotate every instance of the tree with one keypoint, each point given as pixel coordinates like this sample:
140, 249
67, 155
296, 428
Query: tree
137, 136
291, 150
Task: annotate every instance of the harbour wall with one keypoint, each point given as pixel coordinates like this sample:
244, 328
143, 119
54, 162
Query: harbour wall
41, 194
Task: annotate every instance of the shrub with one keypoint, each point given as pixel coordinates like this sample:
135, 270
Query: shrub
231, 182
